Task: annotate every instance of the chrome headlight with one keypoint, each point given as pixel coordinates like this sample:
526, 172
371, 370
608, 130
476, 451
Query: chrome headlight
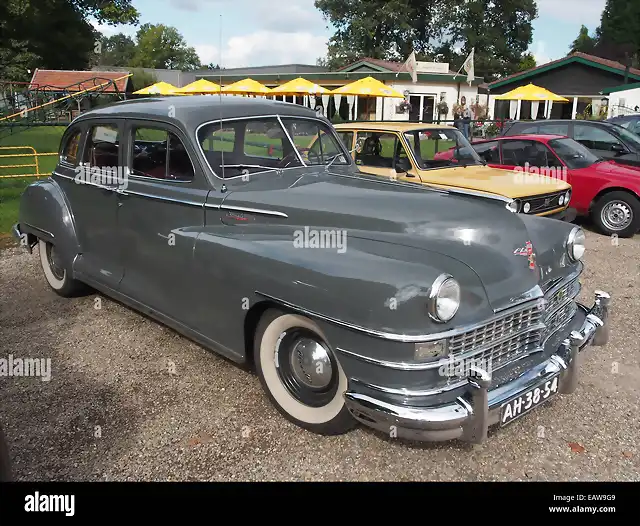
444, 298
575, 244
526, 208
567, 197
561, 200
514, 206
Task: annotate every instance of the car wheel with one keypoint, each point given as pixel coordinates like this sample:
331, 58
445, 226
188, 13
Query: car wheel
56, 271
300, 373
617, 213
5, 462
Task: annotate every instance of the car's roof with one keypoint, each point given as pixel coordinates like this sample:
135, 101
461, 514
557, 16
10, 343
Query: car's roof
623, 118
192, 110
389, 126
529, 137
561, 121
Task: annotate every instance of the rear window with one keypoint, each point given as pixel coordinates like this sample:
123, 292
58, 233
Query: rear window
70, 150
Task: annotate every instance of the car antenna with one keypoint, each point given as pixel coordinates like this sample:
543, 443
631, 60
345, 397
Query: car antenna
224, 189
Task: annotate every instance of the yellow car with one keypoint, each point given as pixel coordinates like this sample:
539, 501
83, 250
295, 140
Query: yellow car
440, 156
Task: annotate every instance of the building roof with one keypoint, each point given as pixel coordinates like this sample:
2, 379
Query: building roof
379, 65
578, 57
624, 87
74, 81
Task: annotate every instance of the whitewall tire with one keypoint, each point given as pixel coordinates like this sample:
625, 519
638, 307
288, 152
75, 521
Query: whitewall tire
56, 271
300, 373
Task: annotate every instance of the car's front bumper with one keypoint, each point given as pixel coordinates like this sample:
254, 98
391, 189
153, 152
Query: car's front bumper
470, 416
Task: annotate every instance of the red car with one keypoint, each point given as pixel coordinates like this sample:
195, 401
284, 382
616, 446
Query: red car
607, 192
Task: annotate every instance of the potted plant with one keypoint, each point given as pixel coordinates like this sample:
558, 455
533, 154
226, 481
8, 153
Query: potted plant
443, 108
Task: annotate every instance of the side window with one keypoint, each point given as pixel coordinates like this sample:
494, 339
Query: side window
70, 150
555, 129
159, 154
103, 145
594, 138
376, 149
514, 153
220, 140
488, 151
347, 139
525, 130
264, 140
322, 150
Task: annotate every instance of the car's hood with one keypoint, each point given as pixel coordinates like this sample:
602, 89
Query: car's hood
614, 169
506, 182
480, 233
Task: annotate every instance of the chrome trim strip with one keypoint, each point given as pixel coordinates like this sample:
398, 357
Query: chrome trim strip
404, 338
254, 210
535, 293
402, 366
412, 392
39, 230
211, 205
162, 198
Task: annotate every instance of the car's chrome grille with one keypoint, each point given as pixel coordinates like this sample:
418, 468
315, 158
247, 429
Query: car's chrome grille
543, 203
510, 337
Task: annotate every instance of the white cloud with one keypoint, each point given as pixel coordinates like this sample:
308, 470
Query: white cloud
108, 30
264, 48
585, 12
540, 54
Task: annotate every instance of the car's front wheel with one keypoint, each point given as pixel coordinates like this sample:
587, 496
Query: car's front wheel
300, 373
617, 213
56, 271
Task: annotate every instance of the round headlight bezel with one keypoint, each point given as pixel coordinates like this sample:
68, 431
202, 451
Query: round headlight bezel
576, 239
514, 206
567, 197
561, 200
441, 283
526, 208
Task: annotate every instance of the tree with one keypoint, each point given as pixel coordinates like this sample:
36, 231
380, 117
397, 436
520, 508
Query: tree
584, 42
528, 61
163, 47
141, 79
499, 30
388, 29
31, 35
619, 31
116, 50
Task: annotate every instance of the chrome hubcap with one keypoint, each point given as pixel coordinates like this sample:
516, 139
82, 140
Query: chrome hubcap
616, 215
306, 367
56, 266
311, 364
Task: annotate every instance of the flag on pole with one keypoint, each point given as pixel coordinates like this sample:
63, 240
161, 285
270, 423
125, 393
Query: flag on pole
468, 67
411, 66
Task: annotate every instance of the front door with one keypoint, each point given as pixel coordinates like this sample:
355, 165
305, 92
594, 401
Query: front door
161, 212
379, 153
88, 174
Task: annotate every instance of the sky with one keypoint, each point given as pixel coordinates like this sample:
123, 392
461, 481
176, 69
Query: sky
237, 33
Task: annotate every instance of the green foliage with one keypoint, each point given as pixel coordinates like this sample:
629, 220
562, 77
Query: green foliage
53, 34
500, 31
142, 79
337, 118
160, 47
116, 50
583, 42
528, 61
619, 32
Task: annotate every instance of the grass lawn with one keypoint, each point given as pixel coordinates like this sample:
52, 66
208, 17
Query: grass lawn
45, 139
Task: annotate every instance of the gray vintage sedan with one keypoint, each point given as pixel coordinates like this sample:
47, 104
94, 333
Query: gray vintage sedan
243, 224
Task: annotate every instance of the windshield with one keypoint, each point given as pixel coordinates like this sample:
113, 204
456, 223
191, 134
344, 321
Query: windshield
629, 137
573, 154
248, 146
439, 147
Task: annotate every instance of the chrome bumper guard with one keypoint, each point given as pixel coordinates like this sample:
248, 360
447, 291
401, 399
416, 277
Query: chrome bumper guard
469, 417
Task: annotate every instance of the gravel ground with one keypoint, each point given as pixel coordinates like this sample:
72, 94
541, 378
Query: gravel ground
130, 399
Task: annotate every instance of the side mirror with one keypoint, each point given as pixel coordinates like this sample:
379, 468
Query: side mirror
618, 148
403, 165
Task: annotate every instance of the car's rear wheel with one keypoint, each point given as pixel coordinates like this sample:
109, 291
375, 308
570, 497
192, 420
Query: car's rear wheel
57, 273
617, 213
300, 373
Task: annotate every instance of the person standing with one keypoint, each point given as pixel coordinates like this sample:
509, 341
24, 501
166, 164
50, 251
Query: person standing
466, 118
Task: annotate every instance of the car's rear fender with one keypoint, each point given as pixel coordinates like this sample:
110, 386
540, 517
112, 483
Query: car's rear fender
45, 214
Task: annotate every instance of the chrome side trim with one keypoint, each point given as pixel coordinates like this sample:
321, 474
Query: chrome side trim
39, 230
404, 338
254, 210
163, 198
412, 392
535, 293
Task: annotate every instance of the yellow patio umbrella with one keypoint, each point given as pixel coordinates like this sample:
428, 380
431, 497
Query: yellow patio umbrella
368, 87
299, 86
246, 87
199, 87
159, 88
531, 92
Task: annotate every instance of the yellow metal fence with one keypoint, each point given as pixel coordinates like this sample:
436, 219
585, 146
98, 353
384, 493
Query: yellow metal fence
30, 166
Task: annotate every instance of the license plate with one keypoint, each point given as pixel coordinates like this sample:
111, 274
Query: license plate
528, 401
